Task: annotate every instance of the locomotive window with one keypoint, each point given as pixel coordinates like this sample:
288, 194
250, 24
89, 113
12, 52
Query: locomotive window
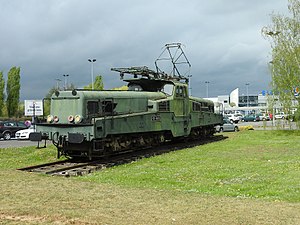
168, 89
184, 92
179, 91
92, 107
196, 106
205, 107
108, 107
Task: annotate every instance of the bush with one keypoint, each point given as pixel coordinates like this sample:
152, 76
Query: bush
249, 127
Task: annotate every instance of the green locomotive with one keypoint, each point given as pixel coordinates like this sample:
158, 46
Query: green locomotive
156, 108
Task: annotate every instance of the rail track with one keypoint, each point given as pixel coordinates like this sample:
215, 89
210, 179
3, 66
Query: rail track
71, 167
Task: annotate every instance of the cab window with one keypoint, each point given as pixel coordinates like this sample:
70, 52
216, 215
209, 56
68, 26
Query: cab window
181, 91
168, 89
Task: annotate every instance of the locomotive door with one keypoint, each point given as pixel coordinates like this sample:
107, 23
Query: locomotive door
185, 112
108, 107
181, 110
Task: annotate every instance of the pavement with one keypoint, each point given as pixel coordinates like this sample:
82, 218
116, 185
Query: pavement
270, 125
14, 143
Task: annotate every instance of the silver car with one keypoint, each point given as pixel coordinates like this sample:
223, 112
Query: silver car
227, 126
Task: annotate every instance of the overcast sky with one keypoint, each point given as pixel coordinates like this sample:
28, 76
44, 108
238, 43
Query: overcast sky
222, 40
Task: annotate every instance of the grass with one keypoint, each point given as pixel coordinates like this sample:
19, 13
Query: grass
11, 158
260, 164
252, 177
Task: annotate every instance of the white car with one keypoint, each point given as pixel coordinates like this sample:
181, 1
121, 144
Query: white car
233, 118
280, 115
24, 134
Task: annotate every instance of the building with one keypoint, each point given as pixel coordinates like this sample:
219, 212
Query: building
243, 103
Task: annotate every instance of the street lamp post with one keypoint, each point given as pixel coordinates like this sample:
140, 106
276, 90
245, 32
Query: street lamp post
92, 71
57, 83
66, 77
247, 85
207, 83
273, 97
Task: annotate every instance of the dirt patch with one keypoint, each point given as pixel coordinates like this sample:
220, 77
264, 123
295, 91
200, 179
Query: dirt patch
21, 219
47, 200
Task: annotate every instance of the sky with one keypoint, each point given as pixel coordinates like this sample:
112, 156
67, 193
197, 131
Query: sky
221, 39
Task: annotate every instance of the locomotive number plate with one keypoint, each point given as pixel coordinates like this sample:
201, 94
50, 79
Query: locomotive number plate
155, 118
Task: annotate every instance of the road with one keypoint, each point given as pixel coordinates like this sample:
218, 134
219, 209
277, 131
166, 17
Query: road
268, 125
13, 143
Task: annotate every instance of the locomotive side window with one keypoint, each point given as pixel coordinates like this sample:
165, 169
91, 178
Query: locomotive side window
205, 107
196, 106
108, 107
92, 107
202, 106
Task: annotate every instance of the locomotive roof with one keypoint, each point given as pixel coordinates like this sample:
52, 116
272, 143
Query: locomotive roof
201, 99
95, 94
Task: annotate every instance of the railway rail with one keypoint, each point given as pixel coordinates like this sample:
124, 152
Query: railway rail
71, 167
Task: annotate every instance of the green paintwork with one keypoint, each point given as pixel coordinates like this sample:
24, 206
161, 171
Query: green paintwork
135, 112
154, 110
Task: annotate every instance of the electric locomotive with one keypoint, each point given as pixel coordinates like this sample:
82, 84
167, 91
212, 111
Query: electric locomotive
156, 108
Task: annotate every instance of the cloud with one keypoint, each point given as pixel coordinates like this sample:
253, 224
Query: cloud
51, 38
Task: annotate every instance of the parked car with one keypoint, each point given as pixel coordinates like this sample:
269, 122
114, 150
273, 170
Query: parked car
8, 129
250, 117
263, 116
24, 134
280, 115
233, 118
227, 126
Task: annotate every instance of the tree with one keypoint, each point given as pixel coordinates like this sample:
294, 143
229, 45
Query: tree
122, 88
284, 37
98, 84
47, 102
2, 95
13, 91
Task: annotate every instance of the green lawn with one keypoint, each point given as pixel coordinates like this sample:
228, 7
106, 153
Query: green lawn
254, 164
252, 177
12, 158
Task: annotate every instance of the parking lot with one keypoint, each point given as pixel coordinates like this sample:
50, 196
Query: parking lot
14, 143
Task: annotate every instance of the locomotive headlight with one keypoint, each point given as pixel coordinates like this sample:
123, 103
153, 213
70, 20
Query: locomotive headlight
55, 119
71, 118
78, 119
50, 119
